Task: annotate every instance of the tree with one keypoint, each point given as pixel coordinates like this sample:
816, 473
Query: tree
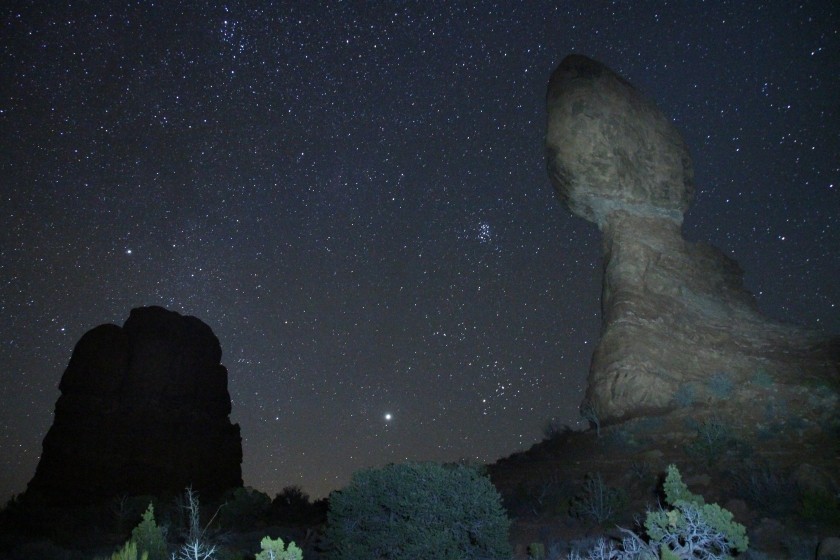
418, 510
149, 537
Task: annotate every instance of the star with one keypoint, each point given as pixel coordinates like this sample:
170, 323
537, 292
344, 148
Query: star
356, 219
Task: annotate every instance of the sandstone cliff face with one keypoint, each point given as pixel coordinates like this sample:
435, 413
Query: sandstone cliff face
143, 410
674, 313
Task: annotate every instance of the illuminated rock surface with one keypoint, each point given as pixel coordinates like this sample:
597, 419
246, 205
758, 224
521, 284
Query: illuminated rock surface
674, 313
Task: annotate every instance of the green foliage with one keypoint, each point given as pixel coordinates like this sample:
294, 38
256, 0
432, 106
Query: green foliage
691, 529
692, 516
675, 489
469, 463
821, 507
129, 552
721, 384
275, 550
713, 438
292, 506
536, 551
245, 509
597, 501
146, 542
149, 537
775, 410
417, 510
292, 497
763, 379
666, 554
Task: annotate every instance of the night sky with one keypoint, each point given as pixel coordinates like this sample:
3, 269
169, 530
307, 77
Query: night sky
353, 196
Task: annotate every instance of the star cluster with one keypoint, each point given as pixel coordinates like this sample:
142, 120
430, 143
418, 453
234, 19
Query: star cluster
353, 196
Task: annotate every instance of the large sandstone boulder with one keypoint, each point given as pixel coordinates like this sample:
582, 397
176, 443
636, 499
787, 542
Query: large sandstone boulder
143, 411
674, 313
611, 149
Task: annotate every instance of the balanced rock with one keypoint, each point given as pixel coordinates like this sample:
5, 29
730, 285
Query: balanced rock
143, 411
674, 313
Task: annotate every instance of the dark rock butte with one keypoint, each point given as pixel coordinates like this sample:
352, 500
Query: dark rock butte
143, 411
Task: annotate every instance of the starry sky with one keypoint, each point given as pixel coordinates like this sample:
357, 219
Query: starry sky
353, 195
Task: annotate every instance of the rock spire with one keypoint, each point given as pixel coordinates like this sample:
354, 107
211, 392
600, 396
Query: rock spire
674, 313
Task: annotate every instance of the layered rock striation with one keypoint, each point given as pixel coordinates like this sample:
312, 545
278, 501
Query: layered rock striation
143, 411
674, 313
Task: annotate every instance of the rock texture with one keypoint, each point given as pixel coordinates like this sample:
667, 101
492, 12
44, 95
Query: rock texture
675, 314
143, 411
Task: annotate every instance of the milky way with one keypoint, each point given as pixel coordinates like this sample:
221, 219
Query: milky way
354, 197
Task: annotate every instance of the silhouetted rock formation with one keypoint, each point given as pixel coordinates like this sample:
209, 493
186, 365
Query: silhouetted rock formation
143, 411
674, 312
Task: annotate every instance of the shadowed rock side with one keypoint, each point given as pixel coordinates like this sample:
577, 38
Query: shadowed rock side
673, 312
143, 411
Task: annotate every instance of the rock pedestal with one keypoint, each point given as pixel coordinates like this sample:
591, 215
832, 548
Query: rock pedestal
674, 313
143, 411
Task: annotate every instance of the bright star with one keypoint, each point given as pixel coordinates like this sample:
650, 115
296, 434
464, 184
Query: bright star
388, 416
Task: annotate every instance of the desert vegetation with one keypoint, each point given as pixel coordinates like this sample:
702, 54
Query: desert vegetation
693, 483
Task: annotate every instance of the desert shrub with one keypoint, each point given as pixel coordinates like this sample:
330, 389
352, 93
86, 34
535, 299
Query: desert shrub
276, 550
765, 489
291, 498
762, 378
641, 470
126, 510
554, 429
713, 438
417, 510
469, 463
685, 395
292, 506
245, 509
536, 551
693, 529
690, 529
148, 537
129, 552
822, 507
590, 413
647, 424
619, 438
597, 501
147, 541
528, 501
720, 384
579, 546
548, 497
775, 410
